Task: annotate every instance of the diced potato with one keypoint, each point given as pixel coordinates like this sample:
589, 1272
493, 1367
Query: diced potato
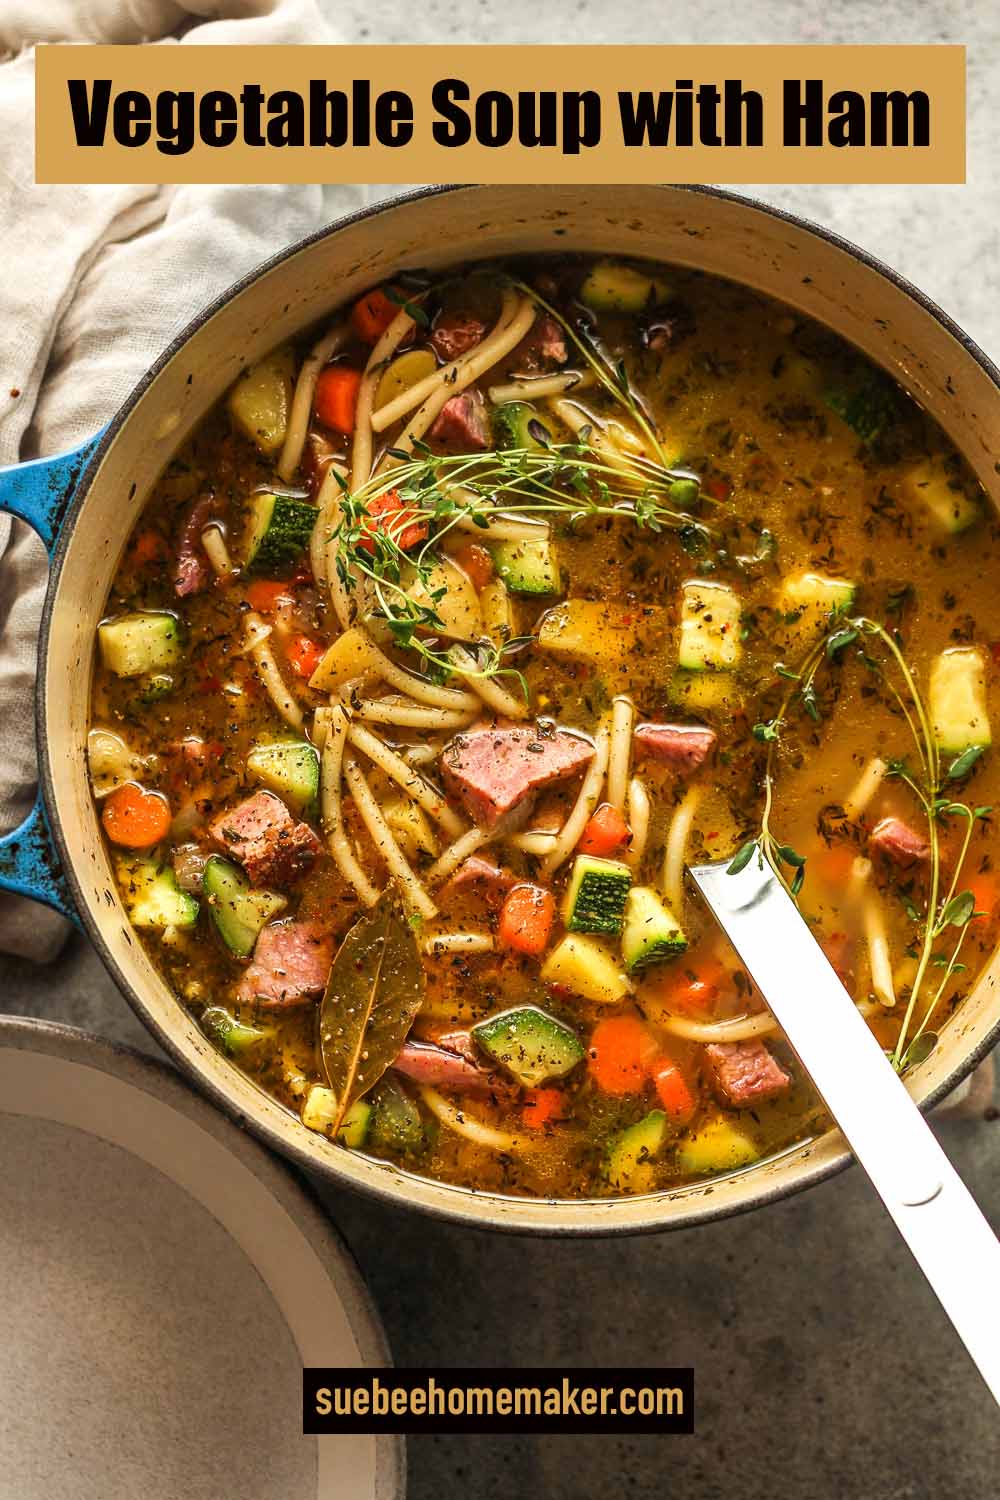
710, 626
584, 966
957, 695
350, 656
261, 399
624, 644
929, 484
111, 762
458, 607
404, 372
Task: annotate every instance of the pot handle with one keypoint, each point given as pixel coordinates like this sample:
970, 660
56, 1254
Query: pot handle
40, 492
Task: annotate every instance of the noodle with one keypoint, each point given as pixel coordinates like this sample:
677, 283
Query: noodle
538, 844
335, 729
492, 349
397, 770
384, 841
217, 552
492, 694
415, 687
464, 1124
537, 387
448, 374
673, 855
865, 788
459, 942
327, 521
503, 528
590, 794
875, 934
453, 856
620, 755
739, 1030
302, 400
267, 669
638, 821
406, 714
361, 450
576, 418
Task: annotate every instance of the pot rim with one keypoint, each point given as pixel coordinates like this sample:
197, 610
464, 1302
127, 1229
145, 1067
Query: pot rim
466, 1206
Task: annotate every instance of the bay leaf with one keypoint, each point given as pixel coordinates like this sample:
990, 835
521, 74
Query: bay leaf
373, 994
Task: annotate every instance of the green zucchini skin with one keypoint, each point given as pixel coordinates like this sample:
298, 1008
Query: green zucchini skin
239, 912
529, 1044
596, 894
279, 531
528, 567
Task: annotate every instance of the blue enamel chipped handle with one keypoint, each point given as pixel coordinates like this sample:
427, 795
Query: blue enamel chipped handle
39, 493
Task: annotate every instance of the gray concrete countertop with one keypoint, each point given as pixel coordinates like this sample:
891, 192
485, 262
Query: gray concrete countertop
824, 1367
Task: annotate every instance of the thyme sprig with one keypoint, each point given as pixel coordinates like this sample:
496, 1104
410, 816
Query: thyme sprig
441, 493
945, 909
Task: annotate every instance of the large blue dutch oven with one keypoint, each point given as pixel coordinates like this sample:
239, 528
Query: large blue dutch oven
83, 505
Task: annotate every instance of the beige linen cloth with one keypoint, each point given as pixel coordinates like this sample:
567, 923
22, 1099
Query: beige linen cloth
96, 281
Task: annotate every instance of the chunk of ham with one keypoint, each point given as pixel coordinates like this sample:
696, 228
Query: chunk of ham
267, 841
686, 746
745, 1073
479, 872
462, 423
451, 1066
898, 842
291, 963
491, 771
544, 345
456, 334
193, 572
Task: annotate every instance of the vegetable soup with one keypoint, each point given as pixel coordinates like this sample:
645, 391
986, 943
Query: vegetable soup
455, 631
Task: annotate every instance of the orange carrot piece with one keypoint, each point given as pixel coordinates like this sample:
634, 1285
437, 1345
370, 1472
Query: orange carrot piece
476, 563
304, 655
606, 833
135, 818
834, 864
526, 919
985, 890
621, 1049
404, 523
542, 1107
264, 595
673, 1090
693, 991
147, 547
337, 397
372, 314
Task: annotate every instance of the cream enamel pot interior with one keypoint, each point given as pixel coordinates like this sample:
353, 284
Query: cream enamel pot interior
807, 268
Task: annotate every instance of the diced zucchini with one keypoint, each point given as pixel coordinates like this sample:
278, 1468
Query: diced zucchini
595, 896
958, 700
532, 1045
716, 1145
261, 399
152, 896
710, 627
932, 485
320, 1111
111, 763
700, 692
582, 965
290, 768
447, 591
406, 371
156, 686
238, 911
867, 404
516, 424
350, 656
807, 601
528, 567
651, 932
278, 531
629, 1165
233, 1037
147, 641
613, 286
396, 1124
411, 826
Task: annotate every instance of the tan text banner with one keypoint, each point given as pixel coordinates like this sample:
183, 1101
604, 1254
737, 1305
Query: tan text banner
500, 114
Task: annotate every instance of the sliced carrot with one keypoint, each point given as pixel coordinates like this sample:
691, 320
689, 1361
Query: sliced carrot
621, 1049
264, 595
673, 1090
606, 833
542, 1106
372, 314
404, 523
135, 818
526, 919
834, 864
337, 397
476, 563
693, 991
985, 890
304, 655
148, 546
